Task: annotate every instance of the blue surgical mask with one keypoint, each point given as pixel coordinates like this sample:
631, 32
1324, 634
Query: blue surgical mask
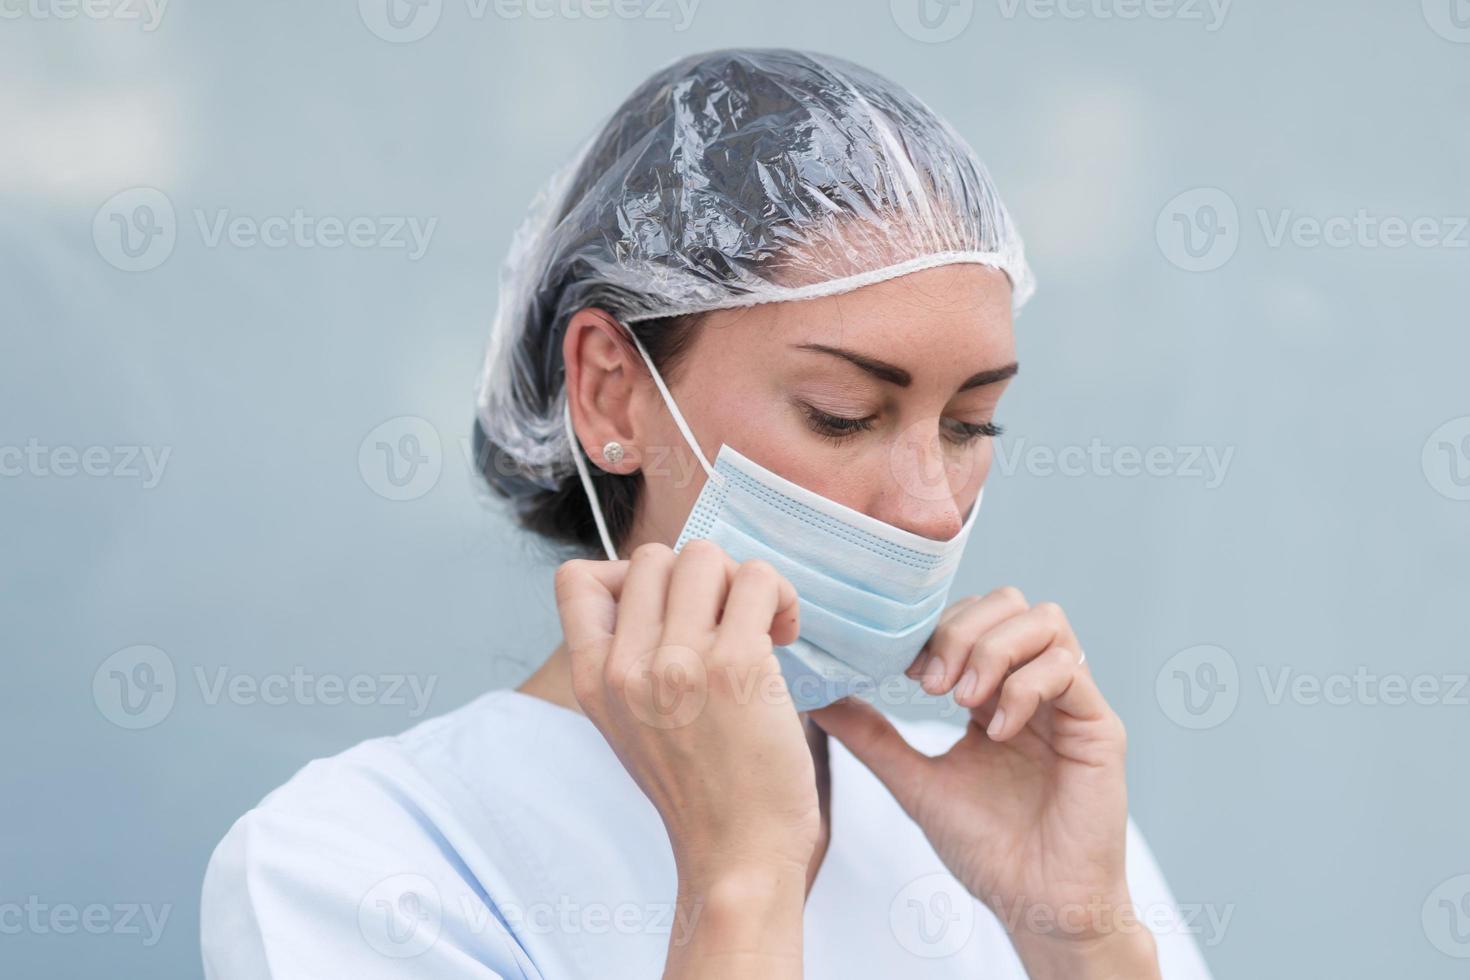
870, 593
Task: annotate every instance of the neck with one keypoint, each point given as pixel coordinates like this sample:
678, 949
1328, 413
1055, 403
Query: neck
552, 681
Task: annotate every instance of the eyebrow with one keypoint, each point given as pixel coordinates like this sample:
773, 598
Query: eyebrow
893, 374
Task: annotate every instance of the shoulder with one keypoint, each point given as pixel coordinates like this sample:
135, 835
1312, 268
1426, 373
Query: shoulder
392, 778
342, 869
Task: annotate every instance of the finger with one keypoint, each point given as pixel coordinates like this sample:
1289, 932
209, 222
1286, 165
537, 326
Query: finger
1009, 646
587, 600
916, 669
761, 602
697, 590
878, 745
953, 640
1051, 678
641, 606
955, 608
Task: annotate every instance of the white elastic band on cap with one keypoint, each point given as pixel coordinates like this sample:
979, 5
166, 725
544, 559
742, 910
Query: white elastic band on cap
591, 491
1012, 265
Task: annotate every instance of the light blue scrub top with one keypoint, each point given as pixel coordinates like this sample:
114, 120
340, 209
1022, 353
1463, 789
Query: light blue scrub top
506, 840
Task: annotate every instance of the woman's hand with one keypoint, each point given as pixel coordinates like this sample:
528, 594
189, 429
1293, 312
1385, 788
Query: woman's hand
672, 660
1029, 809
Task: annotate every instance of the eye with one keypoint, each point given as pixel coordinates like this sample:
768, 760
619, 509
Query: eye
835, 427
964, 433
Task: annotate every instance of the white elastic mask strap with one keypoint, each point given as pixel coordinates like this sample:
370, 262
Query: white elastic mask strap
587, 487
673, 408
586, 476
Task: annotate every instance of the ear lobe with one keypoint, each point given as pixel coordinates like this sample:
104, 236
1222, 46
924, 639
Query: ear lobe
601, 378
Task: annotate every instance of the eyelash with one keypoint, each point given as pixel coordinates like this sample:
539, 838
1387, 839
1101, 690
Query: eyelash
970, 431
837, 428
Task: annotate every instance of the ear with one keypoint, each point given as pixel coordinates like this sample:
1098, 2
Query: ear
602, 372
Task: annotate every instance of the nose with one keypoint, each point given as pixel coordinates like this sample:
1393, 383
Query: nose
927, 490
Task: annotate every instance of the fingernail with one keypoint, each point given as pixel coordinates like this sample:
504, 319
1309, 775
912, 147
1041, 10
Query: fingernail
933, 674
967, 686
996, 723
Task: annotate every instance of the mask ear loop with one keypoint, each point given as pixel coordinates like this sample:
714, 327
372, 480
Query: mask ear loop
673, 408
577, 454
587, 487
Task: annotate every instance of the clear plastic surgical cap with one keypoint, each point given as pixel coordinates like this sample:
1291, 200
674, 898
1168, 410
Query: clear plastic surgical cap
728, 179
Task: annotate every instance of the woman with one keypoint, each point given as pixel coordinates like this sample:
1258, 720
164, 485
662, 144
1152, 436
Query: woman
771, 303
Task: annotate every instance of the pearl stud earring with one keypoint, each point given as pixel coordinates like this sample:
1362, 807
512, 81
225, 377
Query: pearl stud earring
613, 452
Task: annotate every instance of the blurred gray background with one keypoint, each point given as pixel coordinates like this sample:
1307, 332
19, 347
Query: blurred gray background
238, 529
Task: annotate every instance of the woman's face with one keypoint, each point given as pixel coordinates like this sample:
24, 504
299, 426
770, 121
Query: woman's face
882, 399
